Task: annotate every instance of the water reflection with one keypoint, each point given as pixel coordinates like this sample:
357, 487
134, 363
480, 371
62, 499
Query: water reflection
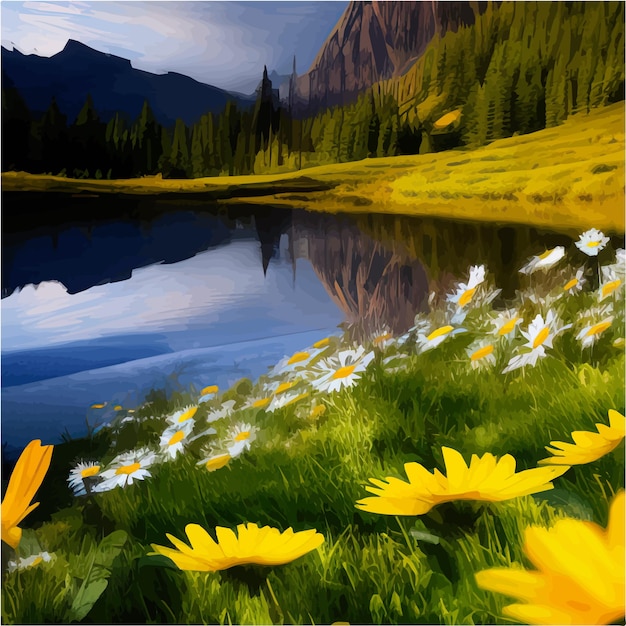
378, 269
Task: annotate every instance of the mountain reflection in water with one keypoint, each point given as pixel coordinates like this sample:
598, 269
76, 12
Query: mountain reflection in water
378, 269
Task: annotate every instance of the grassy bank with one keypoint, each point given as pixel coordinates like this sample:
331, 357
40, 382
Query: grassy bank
571, 176
305, 465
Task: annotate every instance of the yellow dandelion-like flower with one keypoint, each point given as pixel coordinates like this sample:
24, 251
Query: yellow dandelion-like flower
254, 545
579, 577
25, 480
485, 479
588, 446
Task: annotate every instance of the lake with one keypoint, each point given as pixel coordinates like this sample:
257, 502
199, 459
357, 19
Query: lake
106, 299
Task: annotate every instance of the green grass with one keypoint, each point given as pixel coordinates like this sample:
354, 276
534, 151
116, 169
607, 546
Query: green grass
570, 176
308, 474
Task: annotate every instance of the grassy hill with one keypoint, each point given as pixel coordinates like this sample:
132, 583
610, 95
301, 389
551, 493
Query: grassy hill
567, 177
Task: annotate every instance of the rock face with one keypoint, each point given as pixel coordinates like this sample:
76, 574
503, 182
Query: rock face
374, 41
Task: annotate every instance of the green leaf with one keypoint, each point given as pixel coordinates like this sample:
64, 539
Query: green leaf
86, 597
96, 581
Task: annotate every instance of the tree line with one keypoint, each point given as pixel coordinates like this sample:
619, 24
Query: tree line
519, 68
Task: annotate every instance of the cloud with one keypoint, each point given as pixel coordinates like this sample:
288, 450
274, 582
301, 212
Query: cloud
221, 43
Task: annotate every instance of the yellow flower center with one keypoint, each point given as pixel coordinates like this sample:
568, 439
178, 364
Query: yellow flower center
283, 387
243, 435
508, 327
467, 295
319, 410
210, 389
481, 353
382, 338
597, 329
609, 288
297, 357
262, 402
322, 343
541, 337
593, 244
128, 469
570, 284
188, 414
117, 407
176, 437
343, 372
38, 560
545, 254
217, 462
90, 471
98, 406
440, 332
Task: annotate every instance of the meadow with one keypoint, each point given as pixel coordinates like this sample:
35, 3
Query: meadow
565, 177
478, 382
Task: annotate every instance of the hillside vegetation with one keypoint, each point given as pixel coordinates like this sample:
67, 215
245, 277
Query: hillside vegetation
567, 177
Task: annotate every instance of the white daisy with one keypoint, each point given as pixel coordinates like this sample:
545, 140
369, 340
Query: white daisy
342, 370
174, 438
592, 241
611, 283
575, 284
465, 292
182, 415
126, 468
591, 333
540, 335
293, 363
225, 410
382, 339
437, 336
481, 354
286, 399
258, 403
215, 460
240, 438
278, 387
208, 393
544, 261
31, 561
506, 323
76, 479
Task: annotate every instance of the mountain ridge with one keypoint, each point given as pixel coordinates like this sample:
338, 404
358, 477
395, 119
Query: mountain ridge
115, 86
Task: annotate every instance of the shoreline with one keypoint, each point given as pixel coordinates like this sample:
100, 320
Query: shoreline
566, 177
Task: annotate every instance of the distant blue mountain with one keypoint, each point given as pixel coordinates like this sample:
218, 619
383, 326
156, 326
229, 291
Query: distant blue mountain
113, 83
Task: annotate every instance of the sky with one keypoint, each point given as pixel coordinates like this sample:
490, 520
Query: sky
225, 44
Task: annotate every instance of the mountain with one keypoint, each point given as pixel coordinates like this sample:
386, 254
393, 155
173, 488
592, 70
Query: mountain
374, 41
112, 82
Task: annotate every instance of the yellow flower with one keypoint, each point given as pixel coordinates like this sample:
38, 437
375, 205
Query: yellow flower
322, 343
485, 479
579, 577
99, 405
26, 478
588, 446
260, 546
209, 389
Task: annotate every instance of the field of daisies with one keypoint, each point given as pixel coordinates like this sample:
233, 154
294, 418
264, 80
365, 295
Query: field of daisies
469, 471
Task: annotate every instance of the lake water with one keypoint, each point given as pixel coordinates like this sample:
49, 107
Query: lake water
180, 292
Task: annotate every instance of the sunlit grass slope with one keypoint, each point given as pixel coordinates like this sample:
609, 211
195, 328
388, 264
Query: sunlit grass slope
571, 176
302, 453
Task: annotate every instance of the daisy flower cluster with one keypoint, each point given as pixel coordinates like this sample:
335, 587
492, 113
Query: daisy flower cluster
515, 336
